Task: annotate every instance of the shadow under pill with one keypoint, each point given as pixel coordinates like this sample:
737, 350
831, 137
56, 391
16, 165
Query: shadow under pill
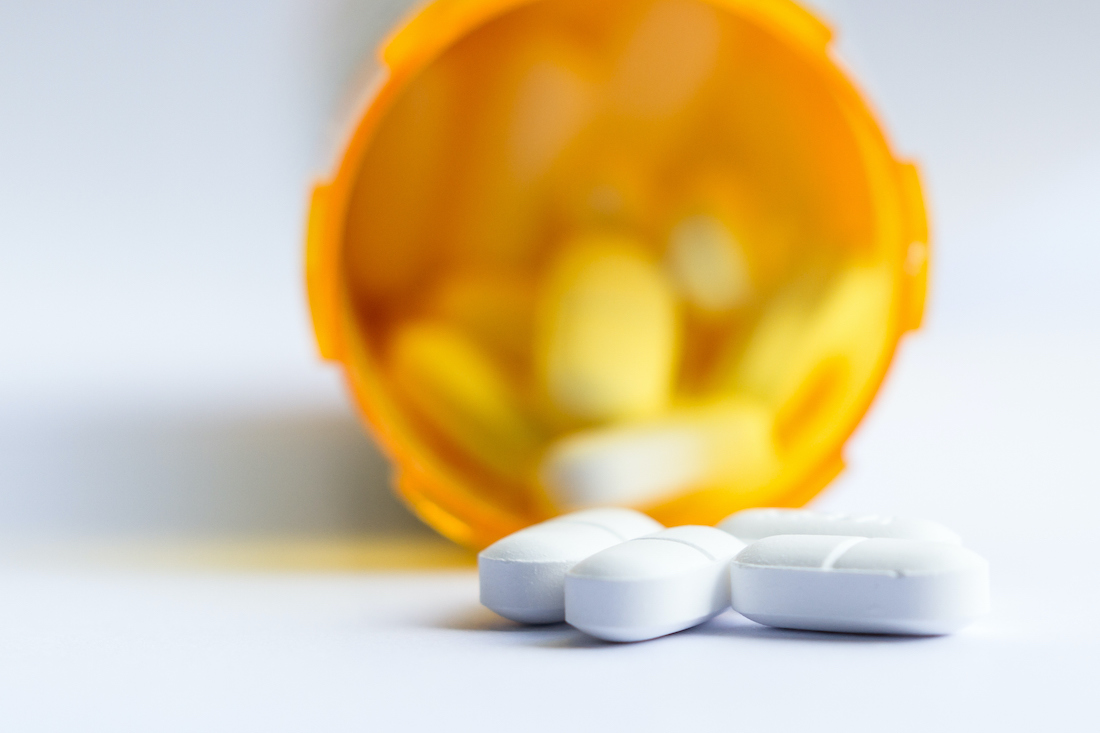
543, 636
731, 626
482, 619
574, 639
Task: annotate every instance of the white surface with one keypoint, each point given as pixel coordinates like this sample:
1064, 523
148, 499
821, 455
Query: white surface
522, 576
871, 585
185, 652
750, 525
651, 586
157, 375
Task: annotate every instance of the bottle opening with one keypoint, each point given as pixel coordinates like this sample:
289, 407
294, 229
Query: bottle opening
634, 252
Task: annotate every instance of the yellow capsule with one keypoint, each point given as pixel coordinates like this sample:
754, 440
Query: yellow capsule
844, 322
607, 335
840, 349
727, 445
852, 315
463, 395
815, 344
708, 265
760, 367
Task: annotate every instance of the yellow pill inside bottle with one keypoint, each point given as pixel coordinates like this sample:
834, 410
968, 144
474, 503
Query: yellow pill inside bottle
458, 392
654, 253
607, 339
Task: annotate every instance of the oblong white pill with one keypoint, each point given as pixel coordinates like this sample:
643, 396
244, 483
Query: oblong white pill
751, 525
859, 584
651, 586
522, 576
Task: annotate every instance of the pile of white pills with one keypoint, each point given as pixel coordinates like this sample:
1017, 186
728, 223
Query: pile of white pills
618, 575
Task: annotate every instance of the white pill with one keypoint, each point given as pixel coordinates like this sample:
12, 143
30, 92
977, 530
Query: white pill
751, 525
655, 585
859, 584
522, 576
634, 464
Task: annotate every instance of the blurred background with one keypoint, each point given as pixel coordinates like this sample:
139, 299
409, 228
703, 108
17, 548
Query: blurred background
158, 374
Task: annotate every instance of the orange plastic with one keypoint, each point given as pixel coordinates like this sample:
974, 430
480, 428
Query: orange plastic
496, 130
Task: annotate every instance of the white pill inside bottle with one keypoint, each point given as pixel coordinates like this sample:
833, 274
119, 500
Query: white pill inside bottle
751, 525
860, 585
652, 586
522, 576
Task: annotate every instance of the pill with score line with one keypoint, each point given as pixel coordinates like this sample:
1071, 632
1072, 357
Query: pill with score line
750, 525
652, 586
522, 576
860, 584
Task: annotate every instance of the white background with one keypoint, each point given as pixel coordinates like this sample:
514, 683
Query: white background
158, 378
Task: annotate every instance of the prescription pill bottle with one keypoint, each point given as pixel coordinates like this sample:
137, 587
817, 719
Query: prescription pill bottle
645, 253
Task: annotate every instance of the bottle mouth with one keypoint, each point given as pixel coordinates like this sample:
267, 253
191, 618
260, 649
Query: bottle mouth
635, 252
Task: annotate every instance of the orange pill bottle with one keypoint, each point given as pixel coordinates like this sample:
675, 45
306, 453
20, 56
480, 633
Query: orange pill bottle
749, 218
